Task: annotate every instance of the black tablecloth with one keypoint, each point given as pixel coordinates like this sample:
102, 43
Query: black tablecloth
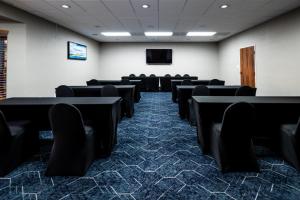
271, 112
100, 112
184, 93
166, 85
125, 91
174, 84
137, 83
148, 84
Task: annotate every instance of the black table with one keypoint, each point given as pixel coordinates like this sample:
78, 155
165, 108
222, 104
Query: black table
148, 84
174, 84
125, 91
100, 112
184, 92
137, 83
165, 82
271, 112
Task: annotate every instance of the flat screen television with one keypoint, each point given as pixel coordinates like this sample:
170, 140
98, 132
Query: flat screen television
77, 51
159, 56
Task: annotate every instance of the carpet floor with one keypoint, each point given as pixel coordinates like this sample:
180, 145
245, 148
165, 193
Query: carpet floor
157, 157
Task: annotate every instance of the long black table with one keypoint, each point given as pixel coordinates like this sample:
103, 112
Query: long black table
125, 91
271, 112
100, 112
148, 84
166, 85
174, 84
137, 83
184, 92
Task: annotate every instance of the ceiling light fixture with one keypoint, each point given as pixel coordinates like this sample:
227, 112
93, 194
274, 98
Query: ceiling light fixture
145, 6
66, 6
201, 34
116, 34
224, 6
158, 34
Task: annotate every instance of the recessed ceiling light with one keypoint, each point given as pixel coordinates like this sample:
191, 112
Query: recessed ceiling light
200, 33
145, 6
158, 33
224, 6
97, 26
114, 34
66, 6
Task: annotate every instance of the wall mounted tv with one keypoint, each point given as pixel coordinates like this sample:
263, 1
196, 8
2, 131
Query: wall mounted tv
159, 56
77, 51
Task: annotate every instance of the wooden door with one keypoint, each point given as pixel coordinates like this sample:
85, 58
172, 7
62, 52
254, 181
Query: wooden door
247, 65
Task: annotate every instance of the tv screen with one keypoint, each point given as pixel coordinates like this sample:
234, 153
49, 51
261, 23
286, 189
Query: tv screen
159, 56
76, 51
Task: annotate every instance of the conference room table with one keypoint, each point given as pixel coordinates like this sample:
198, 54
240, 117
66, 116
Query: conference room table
137, 83
184, 93
174, 84
125, 91
271, 112
148, 84
100, 113
166, 85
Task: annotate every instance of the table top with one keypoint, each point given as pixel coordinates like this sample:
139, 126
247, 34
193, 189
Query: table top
180, 80
249, 99
101, 86
56, 100
209, 86
108, 81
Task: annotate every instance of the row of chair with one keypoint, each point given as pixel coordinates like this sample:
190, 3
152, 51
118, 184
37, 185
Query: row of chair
211, 82
153, 75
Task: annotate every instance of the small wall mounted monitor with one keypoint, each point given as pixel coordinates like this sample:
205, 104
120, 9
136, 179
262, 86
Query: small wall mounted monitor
77, 51
159, 56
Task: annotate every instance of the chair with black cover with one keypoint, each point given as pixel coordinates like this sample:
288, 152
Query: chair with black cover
231, 140
216, 82
200, 90
18, 140
168, 76
132, 76
125, 82
186, 76
142, 76
245, 91
186, 82
92, 82
64, 91
290, 143
177, 76
152, 75
112, 91
73, 148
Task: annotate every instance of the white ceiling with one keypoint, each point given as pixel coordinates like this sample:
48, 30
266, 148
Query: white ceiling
90, 17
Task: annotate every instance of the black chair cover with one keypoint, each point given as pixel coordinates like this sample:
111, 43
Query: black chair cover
246, 91
64, 91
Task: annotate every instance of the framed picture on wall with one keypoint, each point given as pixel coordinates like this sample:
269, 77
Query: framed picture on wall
77, 51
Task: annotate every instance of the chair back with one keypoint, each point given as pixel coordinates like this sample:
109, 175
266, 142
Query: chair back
142, 76
92, 82
186, 76
200, 90
238, 122
109, 91
5, 134
186, 82
67, 125
168, 75
125, 82
64, 91
178, 76
152, 75
245, 91
216, 82
132, 75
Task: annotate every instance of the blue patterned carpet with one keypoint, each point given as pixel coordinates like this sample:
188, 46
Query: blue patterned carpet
157, 157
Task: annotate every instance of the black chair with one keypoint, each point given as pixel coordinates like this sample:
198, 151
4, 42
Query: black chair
92, 82
186, 76
142, 76
290, 143
125, 82
246, 91
18, 140
216, 82
186, 82
167, 75
73, 148
152, 75
112, 91
231, 140
200, 90
177, 76
132, 76
64, 91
